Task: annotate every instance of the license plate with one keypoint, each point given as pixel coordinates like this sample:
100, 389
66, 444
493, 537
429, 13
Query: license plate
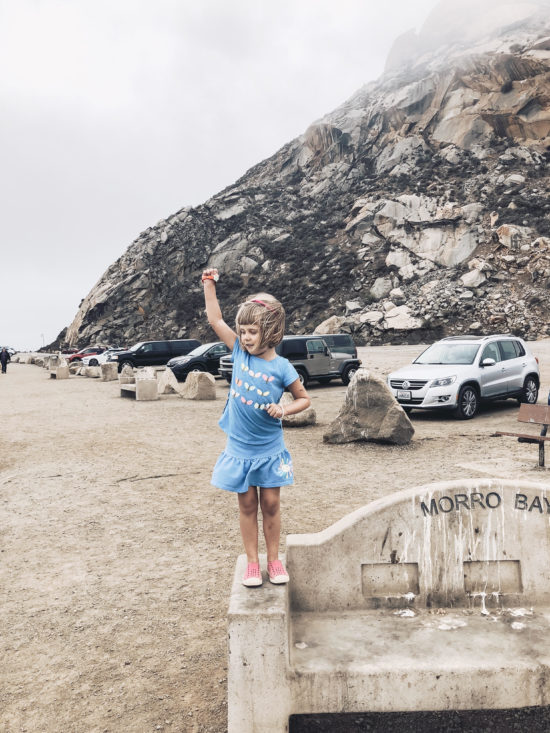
404, 394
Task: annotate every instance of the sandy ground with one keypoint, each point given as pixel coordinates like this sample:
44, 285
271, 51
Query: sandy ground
118, 555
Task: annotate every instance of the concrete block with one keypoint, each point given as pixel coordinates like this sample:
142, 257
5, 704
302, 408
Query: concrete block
91, 371
127, 375
146, 389
61, 372
258, 631
199, 386
109, 371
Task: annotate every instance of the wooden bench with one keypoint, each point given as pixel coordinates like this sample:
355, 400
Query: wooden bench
537, 415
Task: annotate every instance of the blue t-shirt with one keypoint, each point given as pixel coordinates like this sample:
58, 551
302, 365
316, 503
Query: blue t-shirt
255, 384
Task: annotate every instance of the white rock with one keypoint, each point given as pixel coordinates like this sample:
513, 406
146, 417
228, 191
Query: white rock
330, 325
514, 179
473, 279
397, 296
382, 287
399, 319
372, 317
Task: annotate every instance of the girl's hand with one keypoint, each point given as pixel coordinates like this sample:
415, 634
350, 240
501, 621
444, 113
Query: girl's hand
210, 274
276, 411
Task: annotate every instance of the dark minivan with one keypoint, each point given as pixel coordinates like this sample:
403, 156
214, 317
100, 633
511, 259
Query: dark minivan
154, 353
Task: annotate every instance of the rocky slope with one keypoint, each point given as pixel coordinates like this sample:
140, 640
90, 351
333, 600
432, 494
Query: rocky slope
417, 208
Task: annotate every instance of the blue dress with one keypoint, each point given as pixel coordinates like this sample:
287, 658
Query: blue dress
255, 453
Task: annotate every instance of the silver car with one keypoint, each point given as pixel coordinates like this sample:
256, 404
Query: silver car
458, 372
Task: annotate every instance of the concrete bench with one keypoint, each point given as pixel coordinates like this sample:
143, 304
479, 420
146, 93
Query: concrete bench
59, 372
142, 390
436, 598
537, 415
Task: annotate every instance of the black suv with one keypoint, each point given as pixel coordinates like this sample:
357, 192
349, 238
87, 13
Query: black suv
312, 358
153, 353
205, 358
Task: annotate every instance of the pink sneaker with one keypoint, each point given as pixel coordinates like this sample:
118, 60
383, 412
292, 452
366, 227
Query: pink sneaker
277, 573
252, 576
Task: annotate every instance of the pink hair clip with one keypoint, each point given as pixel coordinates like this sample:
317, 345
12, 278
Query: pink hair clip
261, 302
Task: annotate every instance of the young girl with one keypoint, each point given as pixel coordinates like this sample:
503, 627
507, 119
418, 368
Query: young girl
255, 455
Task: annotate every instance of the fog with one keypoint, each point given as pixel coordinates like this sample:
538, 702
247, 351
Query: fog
117, 114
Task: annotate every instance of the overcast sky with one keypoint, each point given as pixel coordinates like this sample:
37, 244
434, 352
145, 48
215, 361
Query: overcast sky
116, 113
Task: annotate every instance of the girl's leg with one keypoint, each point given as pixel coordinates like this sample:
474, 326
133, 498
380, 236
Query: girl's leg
248, 519
270, 502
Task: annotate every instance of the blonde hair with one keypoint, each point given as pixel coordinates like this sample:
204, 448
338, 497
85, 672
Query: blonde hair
266, 312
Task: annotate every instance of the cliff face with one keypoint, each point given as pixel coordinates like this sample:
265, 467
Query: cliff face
419, 207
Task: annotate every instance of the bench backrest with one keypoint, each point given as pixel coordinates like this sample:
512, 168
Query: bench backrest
457, 543
538, 414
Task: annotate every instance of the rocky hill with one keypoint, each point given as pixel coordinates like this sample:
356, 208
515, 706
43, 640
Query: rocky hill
418, 208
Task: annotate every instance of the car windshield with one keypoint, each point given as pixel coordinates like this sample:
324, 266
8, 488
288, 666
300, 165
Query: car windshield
448, 353
198, 350
135, 347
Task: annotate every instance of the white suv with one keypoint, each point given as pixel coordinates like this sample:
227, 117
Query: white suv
460, 371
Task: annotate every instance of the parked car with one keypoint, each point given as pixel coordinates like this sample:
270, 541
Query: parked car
459, 372
205, 358
340, 343
88, 351
153, 353
312, 358
97, 359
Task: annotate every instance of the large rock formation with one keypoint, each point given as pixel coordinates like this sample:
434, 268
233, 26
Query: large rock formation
419, 207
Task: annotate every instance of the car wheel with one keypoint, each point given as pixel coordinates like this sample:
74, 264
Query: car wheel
302, 376
349, 373
468, 403
530, 391
408, 410
228, 380
324, 380
93, 362
126, 363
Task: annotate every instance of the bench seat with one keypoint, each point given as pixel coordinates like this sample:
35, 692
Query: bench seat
426, 662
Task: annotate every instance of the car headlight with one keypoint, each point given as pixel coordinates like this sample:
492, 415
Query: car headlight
444, 381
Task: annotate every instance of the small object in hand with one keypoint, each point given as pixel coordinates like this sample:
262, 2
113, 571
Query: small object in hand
215, 277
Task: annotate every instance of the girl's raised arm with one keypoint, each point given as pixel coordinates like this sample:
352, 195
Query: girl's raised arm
213, 311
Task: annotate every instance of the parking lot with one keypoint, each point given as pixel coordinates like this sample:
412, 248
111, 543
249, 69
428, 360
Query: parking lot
118, 554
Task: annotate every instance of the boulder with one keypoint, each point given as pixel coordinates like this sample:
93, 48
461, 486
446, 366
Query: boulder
331, 325
109, 371
400, 319
168, 384
306, 417
370, 413
473, 279
199, 386
382, 287
371, 317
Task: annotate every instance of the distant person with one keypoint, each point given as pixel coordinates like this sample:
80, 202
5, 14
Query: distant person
4, 358
255, 455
